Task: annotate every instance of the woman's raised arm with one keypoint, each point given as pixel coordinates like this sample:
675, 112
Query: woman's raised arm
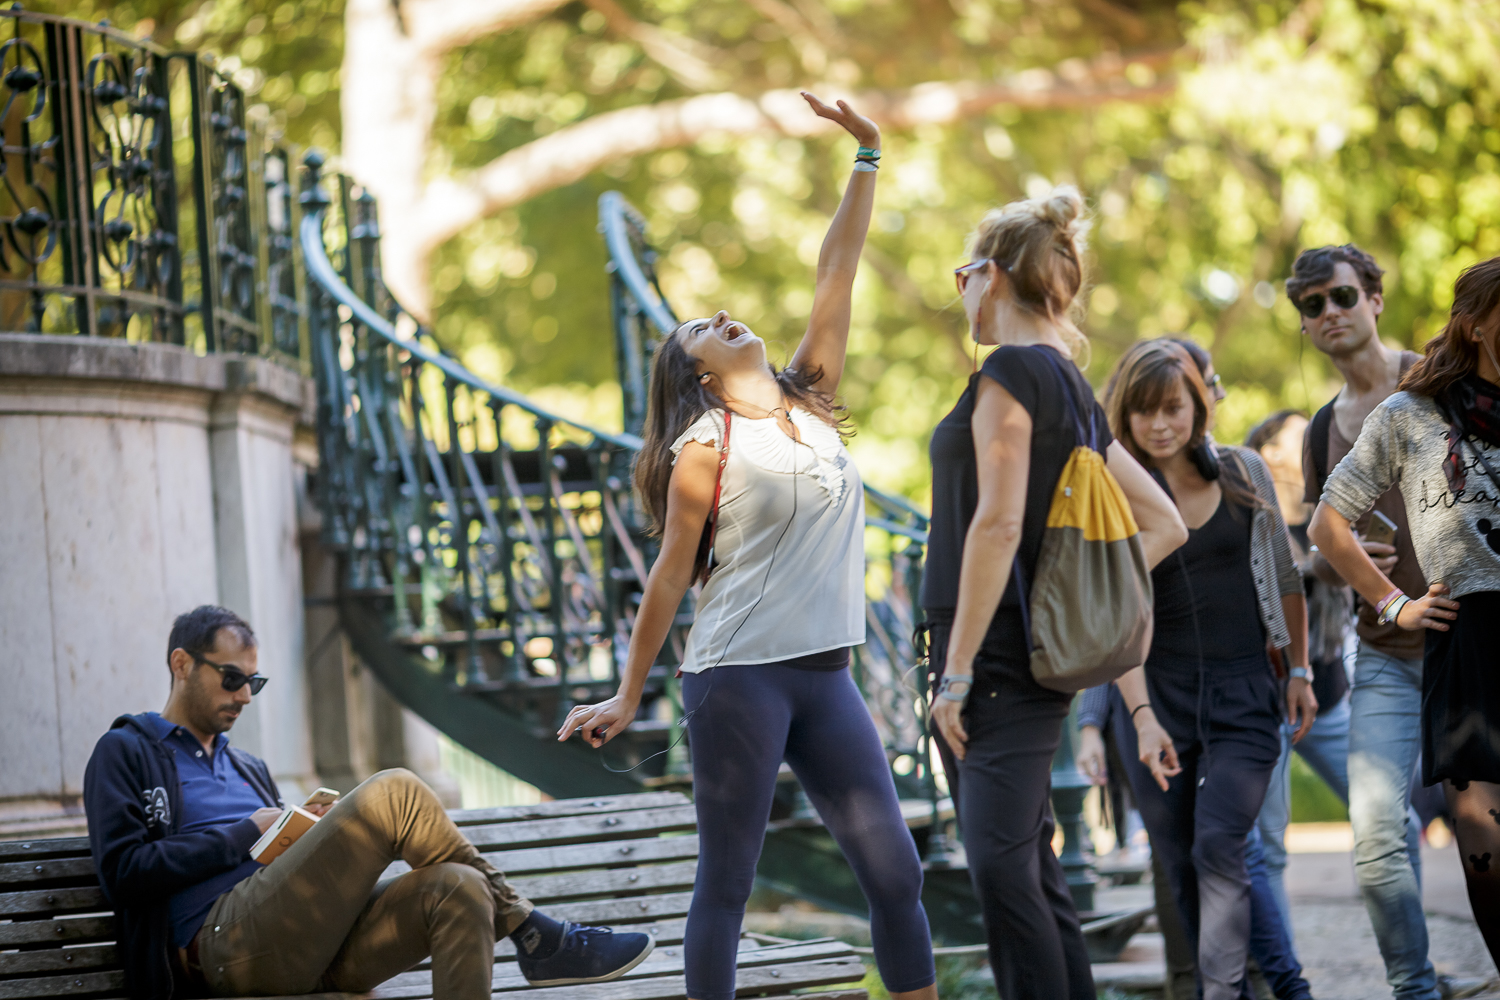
827, 339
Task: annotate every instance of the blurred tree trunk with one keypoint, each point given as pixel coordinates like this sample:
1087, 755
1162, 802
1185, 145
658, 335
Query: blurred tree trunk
394, 52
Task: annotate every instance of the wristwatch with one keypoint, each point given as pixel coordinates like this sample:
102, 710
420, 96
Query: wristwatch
1305, 673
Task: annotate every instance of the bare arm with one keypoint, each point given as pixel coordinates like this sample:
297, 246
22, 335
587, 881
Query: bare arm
689, 497
827, 339
1331, 533
1157, 750
1162, 530
1002, 448
1162, 533
1301, 703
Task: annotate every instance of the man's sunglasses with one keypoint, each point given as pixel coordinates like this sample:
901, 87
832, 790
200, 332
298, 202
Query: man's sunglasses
1311, 306
234, 679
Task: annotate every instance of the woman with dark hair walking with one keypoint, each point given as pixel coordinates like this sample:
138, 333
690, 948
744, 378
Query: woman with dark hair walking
1438, 438
1206, 705
746, 479
996, 462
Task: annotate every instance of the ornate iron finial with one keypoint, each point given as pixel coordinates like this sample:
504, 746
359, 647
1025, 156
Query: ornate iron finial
368, 225
313, 197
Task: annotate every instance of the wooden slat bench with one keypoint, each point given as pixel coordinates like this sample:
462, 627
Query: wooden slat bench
624, 861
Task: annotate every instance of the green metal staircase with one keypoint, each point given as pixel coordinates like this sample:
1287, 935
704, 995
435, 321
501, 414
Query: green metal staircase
492, 553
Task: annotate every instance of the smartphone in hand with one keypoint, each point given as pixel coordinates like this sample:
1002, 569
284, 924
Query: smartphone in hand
1380, 529
322, 797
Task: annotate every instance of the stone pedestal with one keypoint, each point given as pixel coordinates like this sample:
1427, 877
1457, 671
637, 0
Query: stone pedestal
139, 481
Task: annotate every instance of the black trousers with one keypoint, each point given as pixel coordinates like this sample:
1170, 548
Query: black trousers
1035, 946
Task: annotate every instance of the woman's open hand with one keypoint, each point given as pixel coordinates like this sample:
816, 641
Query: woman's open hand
1301, 706
612, 715
1090, 758
866, 132
1158, 752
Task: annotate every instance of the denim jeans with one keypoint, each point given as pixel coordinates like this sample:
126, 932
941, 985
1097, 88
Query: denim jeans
1384, 741
1270, 934
1325, 749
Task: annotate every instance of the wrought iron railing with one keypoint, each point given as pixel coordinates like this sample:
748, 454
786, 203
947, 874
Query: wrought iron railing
116, 223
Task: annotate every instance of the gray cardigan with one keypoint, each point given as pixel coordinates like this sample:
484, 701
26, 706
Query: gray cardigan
1456, 536
1271, 562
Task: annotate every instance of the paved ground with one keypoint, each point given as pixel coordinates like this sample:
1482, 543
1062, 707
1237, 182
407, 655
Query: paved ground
1334, 938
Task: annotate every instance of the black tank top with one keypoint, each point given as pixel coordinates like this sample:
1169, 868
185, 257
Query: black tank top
1218, 582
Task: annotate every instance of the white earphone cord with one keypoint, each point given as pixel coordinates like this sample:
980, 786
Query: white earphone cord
771, 564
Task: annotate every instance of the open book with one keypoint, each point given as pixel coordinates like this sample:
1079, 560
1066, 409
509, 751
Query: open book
289, 826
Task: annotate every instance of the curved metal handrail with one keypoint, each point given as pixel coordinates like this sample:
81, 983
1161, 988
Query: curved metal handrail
321, 270
613, 212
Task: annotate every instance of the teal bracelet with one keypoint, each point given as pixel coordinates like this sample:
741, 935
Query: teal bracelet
873, 154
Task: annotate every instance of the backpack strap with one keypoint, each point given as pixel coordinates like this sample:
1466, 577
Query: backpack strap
1086, 436
712, 528
1317, 443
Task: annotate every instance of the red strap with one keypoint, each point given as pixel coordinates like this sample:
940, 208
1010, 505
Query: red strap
713, 515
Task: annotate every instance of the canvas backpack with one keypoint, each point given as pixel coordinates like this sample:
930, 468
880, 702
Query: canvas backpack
1088, 614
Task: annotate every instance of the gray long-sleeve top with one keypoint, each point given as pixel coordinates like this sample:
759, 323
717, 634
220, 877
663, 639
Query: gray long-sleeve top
1456, 535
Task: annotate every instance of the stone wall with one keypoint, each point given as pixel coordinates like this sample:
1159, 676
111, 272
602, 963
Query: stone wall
138, 481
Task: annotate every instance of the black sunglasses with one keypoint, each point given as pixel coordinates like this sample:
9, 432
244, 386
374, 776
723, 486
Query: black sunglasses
1312, 305
234, 679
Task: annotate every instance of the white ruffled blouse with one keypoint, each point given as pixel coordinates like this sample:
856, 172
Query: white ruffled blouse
789, 562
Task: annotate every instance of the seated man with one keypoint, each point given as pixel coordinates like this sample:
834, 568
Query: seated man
173, 810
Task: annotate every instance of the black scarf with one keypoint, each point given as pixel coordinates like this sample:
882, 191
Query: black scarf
1472, 408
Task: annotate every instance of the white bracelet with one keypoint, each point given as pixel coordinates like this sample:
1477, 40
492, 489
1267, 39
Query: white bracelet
945, 689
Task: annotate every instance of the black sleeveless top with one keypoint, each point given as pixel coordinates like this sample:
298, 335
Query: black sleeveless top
1038, 384
1211, 575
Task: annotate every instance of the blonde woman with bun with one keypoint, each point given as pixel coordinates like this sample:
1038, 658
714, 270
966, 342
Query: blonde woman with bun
996, 459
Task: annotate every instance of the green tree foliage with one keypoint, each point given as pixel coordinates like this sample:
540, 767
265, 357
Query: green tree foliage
1290, 125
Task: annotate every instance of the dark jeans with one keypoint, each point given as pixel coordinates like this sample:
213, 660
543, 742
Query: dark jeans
743, 721
1270, 938
1200, 825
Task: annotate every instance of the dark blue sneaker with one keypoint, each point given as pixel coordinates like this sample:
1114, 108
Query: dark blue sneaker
586, 955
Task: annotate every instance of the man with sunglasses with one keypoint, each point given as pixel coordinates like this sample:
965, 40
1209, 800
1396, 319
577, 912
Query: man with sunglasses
1338, 292
173, 811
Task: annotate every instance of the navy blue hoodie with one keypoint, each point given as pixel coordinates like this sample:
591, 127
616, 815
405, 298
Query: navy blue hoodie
133, 798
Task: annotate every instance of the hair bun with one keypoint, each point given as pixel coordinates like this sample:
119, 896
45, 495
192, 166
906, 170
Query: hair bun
1062, 207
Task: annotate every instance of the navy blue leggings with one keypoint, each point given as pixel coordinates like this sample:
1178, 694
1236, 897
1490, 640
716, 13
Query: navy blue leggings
744, 721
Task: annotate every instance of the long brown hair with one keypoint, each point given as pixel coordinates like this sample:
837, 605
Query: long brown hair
676, 398
1145, 376
1453, 354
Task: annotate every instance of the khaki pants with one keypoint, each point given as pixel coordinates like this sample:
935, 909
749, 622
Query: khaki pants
315, 919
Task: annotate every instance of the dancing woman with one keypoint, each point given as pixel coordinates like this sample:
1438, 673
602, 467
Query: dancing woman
1438, 439
1207, 707
765, 675
996, 460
